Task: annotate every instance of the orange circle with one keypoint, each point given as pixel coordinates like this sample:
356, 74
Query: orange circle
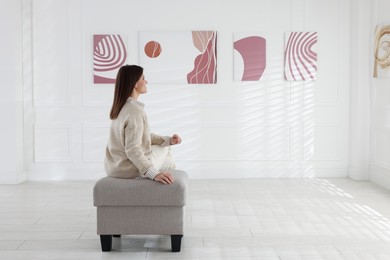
153, 49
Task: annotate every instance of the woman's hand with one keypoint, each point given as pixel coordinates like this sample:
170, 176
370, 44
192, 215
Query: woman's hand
175, 139
164, 177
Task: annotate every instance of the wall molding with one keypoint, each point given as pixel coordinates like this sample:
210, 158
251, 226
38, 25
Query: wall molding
42, 158
86, 156
65, 101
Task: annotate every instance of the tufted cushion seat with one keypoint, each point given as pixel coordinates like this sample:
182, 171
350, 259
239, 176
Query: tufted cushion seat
140, 192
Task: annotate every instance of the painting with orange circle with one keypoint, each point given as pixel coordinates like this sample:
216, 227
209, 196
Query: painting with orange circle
179, 57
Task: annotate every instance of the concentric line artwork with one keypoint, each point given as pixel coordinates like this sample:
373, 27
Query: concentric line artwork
109, 53
179, 57
382, 51
249, 57
300, 56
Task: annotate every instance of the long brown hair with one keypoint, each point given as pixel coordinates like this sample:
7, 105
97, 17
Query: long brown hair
127, 77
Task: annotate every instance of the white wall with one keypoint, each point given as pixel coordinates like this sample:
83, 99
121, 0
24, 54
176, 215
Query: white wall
272, 128
380, 109
11, 98
359, 138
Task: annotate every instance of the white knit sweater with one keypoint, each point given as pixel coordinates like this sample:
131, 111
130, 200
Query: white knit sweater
129, 150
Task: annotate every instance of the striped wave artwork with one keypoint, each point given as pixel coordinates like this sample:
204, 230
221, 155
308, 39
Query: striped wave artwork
109, 54
300, 60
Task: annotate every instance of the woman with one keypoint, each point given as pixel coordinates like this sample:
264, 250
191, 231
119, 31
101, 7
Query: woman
129, 149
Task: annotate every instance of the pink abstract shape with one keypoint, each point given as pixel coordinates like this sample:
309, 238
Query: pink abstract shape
102, 80
253, 52
205, 64
300, 60
109, 54
201, 39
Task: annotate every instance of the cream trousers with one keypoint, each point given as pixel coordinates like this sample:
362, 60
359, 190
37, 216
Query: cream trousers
162, 158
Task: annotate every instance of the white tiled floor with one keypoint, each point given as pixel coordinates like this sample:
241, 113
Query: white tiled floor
268, 219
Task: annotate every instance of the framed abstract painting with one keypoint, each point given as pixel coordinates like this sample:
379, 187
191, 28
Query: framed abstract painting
179, 57
249, 56
109, 54
300, 56
382, 51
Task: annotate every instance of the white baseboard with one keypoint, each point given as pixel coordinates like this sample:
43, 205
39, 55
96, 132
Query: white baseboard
74, 176
12, 177
380, 178
359, 174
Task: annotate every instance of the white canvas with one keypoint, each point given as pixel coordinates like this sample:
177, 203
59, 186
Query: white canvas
174, 58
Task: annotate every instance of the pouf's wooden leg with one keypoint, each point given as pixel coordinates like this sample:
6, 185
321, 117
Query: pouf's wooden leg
116, 235
106, 242
176, 242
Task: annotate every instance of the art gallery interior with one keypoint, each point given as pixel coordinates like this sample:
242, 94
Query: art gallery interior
279, 169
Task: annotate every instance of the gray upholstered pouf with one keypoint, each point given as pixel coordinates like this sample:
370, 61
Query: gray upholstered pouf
140, 206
